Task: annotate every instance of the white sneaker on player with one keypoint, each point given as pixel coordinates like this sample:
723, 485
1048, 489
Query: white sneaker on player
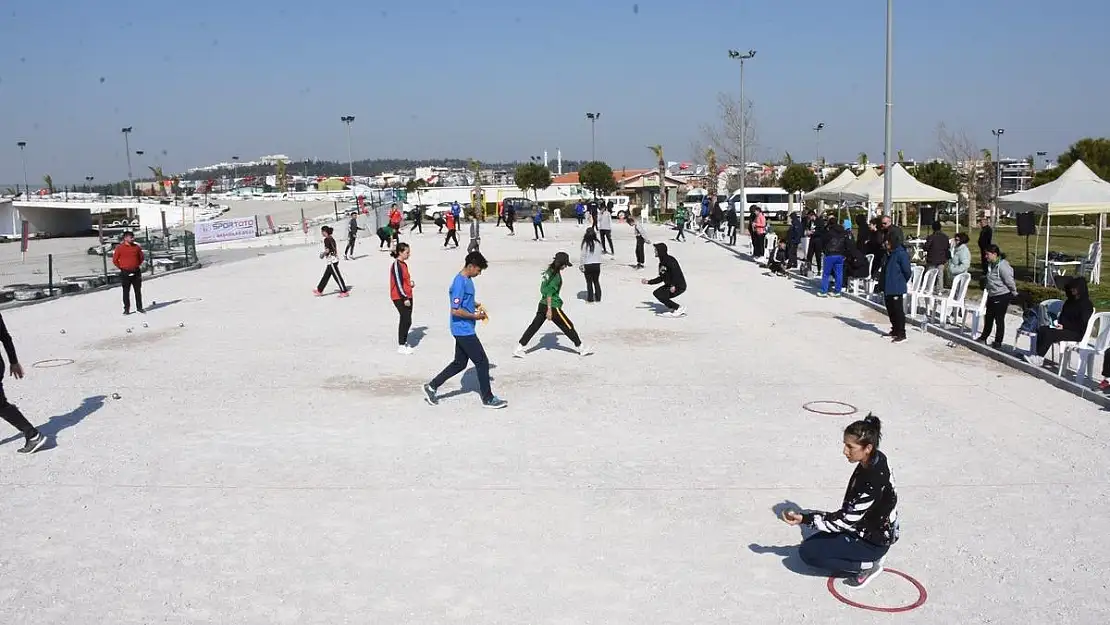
519, 352
585, 350
405, 350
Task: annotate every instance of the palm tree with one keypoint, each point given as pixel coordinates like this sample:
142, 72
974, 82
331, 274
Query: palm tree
863, 159
49, 182
159, 177
657, 150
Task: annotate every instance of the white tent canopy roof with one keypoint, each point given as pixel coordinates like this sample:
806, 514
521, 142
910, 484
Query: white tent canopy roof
904, 189
1078, 191
831, 189
868, 176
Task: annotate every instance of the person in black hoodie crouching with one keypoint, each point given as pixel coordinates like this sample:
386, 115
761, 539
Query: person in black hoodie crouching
777, 263
670, 276
853, 541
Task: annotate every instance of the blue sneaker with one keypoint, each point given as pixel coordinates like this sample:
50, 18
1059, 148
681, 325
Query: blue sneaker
495, 403
430, 395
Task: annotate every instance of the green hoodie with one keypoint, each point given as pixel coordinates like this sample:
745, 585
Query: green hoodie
550, 285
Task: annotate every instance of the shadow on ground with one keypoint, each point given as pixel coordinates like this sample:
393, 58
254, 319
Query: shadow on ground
59, 423
789, 553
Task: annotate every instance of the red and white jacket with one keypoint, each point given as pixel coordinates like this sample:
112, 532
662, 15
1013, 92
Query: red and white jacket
400, 283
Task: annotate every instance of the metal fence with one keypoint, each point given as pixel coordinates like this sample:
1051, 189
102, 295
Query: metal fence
56, 267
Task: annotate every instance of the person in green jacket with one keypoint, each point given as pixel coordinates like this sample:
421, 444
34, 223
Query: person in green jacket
551, 308
680, 223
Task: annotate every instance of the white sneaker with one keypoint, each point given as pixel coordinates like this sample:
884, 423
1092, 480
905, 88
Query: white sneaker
405, 350
681, 312
585, 350
1034, 360
519, 352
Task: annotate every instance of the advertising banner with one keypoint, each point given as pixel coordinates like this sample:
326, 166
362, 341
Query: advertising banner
219, 230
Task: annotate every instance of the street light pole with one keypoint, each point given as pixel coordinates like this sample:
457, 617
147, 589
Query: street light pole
347, 119
997, 132
735, 54
593, 117
821, 169
22, 157
888, 138
127, 146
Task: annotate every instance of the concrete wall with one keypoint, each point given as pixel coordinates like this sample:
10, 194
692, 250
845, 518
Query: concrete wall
9, 223
56, 221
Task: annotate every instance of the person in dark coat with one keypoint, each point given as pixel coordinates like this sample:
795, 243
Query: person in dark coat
1069, 325
938, 249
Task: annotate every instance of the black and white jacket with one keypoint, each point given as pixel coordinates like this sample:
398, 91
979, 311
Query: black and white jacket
870, 509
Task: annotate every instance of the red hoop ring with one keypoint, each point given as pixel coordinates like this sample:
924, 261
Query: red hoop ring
854, 410
922, 596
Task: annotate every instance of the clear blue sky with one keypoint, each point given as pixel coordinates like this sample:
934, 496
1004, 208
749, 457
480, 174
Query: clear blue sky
501, 80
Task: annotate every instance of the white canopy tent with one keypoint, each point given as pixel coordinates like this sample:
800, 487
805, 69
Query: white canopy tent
831, 189
905, 189
1078, 191
868, 176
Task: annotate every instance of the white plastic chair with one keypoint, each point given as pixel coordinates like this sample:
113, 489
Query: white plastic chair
1088, 266
1046, 311
1087, 348
955, 301
869, 281
917, 274
925, 295
977, 314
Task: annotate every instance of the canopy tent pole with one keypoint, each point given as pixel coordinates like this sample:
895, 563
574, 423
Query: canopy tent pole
1047, 239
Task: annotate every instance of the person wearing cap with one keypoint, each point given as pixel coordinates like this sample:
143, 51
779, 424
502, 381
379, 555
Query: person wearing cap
551, 308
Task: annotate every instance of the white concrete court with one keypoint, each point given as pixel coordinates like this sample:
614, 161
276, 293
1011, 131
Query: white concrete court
272, 461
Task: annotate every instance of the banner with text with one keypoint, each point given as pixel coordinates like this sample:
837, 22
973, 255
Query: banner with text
219, 230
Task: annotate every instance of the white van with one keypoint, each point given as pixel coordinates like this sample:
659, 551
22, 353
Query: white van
774, 201
620, 204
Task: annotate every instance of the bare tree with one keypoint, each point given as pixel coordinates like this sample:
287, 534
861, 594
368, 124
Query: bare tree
959, 150
724, 135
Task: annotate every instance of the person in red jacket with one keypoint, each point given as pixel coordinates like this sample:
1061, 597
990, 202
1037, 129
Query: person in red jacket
400, 291
452, 235
395, 217
128, 258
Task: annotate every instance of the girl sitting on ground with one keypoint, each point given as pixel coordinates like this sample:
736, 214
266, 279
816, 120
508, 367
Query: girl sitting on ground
853, 541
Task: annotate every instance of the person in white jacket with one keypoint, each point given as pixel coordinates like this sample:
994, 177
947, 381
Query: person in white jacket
960, 263
590, 263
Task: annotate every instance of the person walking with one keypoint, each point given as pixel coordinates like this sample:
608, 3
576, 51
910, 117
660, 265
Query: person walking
452, 234
400, 292
853, 542
1001, 290
330, 255
128, 258
672, 280
938, 250
605, 226
500, 215
895, 278
580, 212
680, 223
510, 217
793, 240
537, 224
551, 308
836, 247
641, 239
475, 234
33, 440
352, 234
465, 312
590, 263
816, 232
716, 217
733, 221
417, 217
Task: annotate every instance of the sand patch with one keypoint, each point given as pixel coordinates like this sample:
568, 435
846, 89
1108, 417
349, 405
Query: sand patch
138, 338
962, 356
383, 386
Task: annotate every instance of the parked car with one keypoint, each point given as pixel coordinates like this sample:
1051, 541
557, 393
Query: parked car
523, 207
445, 207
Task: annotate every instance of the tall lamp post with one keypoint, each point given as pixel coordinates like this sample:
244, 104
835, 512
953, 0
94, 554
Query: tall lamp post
997, 132
127, 146
593, 117
817, 131
347, 119
743, 56
22, 157
88, 183
888, 133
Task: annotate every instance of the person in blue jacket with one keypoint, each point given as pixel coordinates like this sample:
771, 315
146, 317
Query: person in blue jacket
456, 210
580, 212
537, 224
896, 276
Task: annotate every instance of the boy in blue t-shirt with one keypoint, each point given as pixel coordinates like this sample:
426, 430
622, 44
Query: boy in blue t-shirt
465, 312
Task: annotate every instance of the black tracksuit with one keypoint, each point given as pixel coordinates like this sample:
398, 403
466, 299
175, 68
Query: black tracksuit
352, 234
986, 236
670, 275
9, 412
